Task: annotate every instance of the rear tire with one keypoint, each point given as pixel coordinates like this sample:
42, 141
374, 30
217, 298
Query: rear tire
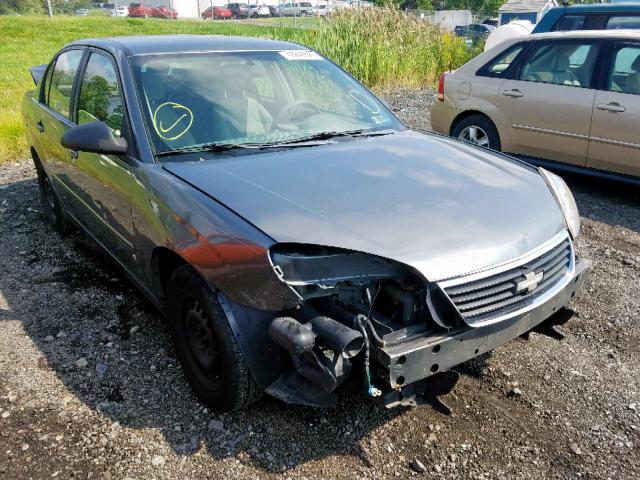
205, 345
51, 206
477, 130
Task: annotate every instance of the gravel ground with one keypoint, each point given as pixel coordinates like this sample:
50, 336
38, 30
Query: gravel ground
90, 386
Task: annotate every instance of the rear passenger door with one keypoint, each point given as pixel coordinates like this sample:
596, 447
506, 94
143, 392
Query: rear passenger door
547, 107
55, 119
614, 143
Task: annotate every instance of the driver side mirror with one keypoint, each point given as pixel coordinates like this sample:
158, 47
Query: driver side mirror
94, 137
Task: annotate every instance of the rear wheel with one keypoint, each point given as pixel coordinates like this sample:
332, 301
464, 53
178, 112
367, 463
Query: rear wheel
205, 345
478, 130
50, 202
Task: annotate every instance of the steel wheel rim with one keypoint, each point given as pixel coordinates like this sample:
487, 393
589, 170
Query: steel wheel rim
475, 135
201, 342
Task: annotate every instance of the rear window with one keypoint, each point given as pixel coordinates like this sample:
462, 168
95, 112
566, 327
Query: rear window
625, 75
570, 22
499, 65
568, 63
61, 83
622, 22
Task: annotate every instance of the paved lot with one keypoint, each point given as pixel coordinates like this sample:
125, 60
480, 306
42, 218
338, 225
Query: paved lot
90, 387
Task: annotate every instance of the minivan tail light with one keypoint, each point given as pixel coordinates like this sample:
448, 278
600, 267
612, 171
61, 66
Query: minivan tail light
441, 87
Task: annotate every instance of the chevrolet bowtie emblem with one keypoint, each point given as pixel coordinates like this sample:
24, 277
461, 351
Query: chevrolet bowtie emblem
530, 282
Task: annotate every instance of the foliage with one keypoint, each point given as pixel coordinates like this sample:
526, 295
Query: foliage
22, 7
68, 7
386, 46
378, 46
478, 7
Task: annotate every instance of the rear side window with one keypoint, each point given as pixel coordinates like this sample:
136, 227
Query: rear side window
566, 63
621, 22
100, 94
625, 74
44, 95
498, 66
569, 23
64, 72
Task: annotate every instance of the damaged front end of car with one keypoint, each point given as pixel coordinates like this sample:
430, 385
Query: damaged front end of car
380, 322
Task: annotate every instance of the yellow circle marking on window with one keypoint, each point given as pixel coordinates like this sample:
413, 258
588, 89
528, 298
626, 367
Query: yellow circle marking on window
179, 127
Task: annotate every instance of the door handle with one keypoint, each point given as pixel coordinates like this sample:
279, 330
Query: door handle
613, 107
515, 93
40, 126
73, 154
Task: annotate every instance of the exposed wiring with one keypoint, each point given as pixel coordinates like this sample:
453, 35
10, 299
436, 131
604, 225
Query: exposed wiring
372, 391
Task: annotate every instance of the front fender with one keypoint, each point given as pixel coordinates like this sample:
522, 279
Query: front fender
227, 251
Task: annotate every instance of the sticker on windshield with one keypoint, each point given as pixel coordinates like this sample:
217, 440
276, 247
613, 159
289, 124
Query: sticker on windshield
172, 120
300, 55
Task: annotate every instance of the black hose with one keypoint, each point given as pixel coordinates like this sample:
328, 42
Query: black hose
374, 335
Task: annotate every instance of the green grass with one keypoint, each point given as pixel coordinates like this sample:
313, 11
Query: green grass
379, 47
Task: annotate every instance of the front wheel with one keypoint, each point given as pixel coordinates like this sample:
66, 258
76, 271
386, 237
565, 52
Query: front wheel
478, 130
205, 345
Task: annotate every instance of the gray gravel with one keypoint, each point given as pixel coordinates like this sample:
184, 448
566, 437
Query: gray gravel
90, 386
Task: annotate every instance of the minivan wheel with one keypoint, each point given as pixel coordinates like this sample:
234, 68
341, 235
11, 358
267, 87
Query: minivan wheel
205, 345
478, 130
50, 203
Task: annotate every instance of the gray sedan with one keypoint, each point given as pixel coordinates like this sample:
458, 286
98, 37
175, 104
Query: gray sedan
295, 234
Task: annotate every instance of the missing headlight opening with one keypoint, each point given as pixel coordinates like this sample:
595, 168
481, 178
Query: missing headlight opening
374, 321
352, 307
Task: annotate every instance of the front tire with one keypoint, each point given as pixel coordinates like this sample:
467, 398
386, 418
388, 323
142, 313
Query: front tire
478, 130
205, 345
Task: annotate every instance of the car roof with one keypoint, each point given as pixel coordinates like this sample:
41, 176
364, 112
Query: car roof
162, 44
626, 7
623, 34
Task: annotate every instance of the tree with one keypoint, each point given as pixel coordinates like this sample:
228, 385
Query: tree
490, 7
68, 7
424, 5
21, 6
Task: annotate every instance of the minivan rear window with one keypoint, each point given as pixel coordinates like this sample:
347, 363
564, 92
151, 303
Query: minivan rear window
499, 65
570, 22
623, 22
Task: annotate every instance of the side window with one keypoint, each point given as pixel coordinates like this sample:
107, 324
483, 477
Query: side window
100, 94
61, 83
569, 22
625, 74
621, 22
563, 63
498, 66
44, 94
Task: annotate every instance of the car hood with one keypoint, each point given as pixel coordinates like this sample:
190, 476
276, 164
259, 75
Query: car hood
438, 205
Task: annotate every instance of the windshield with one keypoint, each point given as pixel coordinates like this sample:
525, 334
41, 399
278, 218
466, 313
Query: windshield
192, 100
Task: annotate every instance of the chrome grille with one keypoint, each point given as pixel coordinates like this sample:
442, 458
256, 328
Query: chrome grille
497, 295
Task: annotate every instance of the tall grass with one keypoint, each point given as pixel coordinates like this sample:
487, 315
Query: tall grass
378, 46
384, 46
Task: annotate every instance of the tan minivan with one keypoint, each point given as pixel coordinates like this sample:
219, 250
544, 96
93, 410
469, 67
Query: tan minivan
570, 97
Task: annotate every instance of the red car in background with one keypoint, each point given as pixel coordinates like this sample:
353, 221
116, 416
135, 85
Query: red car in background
164, 12
140, 10
216, 13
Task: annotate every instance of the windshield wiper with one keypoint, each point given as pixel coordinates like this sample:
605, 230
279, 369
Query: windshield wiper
335, 134
213, 147
308, 141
